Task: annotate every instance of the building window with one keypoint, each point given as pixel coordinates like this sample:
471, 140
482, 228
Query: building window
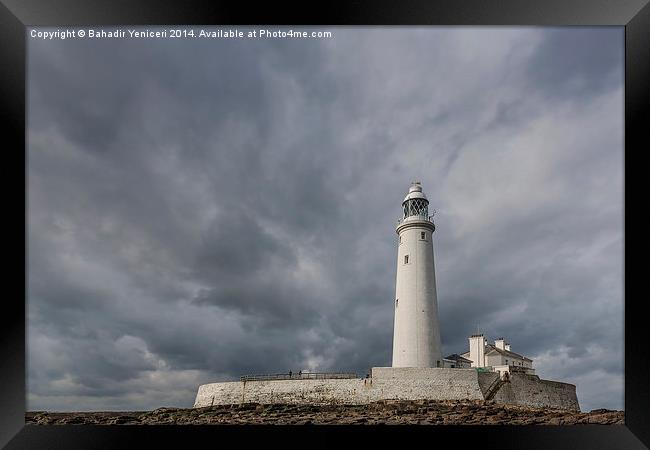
396, 302
437, 363
400, 239
406, 259
423, 235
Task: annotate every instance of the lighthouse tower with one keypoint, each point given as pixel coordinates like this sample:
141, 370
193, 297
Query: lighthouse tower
416, 334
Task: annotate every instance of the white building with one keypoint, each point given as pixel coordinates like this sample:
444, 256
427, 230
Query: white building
416, 333
497, 357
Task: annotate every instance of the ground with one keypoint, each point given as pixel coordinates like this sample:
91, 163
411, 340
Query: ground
427, 412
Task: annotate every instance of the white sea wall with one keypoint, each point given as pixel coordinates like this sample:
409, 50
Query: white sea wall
390, 383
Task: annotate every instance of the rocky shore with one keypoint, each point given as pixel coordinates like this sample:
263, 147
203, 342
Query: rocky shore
381, 413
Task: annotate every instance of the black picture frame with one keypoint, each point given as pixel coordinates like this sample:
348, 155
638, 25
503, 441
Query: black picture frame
16, 15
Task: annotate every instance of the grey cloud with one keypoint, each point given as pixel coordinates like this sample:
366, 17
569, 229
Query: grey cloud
239, 245
578, 61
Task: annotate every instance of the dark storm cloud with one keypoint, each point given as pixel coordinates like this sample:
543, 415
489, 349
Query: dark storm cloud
203, 209
577, 62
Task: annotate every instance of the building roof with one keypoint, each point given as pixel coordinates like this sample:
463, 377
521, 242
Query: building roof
489, 348
457, 357
493, 349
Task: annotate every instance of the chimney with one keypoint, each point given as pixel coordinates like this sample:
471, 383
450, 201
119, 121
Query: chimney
477, 350
500, 343
507, 346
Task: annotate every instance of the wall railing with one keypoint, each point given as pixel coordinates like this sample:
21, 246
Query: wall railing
298, 376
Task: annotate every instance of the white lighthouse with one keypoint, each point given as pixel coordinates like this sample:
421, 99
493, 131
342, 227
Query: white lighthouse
416, 334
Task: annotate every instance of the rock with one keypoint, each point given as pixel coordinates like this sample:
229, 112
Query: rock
73, 421
380, 413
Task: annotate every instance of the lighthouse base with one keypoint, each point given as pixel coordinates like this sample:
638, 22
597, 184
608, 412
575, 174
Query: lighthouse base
396, 383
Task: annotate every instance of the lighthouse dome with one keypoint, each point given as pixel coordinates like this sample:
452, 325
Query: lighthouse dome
415, 191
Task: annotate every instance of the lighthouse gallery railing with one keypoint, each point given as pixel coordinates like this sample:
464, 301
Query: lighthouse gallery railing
419, 216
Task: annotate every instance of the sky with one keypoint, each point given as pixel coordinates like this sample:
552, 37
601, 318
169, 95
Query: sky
201, 209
